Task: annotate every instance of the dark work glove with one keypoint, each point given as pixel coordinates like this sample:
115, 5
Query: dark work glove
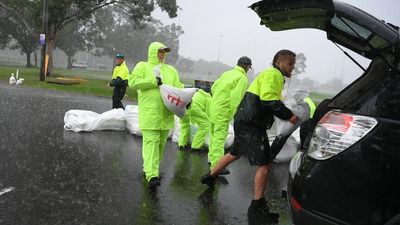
159, 82
116, 82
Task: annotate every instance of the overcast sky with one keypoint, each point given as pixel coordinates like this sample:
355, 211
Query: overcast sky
228, 29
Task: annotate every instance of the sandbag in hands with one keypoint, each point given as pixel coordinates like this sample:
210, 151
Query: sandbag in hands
176, 99
284, 127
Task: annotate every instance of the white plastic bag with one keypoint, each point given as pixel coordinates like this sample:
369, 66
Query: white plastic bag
175, 137
288, 150
20, 81
177, 130
284, 127
83, 120
132, 119
12, 79
176, 99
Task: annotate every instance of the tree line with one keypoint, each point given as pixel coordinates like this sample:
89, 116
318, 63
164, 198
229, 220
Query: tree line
102, 27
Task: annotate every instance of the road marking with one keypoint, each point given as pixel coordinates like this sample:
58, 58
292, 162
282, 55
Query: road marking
5, 190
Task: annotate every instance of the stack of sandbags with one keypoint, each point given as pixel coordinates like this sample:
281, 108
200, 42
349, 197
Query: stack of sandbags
83, 120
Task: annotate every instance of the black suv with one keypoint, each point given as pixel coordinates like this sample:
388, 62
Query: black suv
349, 172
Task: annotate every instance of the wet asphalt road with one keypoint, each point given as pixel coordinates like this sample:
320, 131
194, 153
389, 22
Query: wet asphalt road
52, 176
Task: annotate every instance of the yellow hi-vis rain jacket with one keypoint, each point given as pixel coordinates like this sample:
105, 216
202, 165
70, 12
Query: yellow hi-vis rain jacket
153, 115
311, 105
154, 118
196, 114
226, 94
121, 71
262, 100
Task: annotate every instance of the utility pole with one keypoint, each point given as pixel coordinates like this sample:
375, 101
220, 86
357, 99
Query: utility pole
43, 67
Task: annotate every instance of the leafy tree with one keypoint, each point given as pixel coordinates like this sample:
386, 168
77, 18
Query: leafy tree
23, 40
300, 66
26, 44
184, 65
63, 12
5, 37
72, 40
111, 34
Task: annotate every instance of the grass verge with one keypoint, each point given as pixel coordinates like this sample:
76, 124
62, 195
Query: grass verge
95, 82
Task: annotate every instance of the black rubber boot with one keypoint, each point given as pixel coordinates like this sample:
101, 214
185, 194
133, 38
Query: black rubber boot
208, 179
154, 182
260, 210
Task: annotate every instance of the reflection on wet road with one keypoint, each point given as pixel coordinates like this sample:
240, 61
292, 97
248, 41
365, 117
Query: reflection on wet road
62, 177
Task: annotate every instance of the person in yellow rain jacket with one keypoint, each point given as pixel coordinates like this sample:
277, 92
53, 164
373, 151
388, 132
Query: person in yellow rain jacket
255, 114
197, 113
226, 94
155, 120
119, 81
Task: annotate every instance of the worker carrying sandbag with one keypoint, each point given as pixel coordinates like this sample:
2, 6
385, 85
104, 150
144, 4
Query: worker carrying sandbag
304, 109
176, 99
155, 120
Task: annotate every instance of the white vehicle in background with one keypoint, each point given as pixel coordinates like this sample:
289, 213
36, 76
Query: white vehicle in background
79, 65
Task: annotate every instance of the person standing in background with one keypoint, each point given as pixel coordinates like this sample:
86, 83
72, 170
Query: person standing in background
119, 81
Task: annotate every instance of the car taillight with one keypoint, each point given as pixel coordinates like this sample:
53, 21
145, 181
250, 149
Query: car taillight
336, 132
296, 205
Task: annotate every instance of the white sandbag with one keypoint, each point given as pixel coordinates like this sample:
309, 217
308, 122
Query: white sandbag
294, 100
288, 150
83, 120
230, 137
176, 99
177, 130
20, 81
12, 79
284, 127
193, 128
132, 120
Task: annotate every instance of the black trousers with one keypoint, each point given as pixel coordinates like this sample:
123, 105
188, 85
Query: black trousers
118, 95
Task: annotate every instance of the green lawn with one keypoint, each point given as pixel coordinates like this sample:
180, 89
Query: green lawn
95, 82
318, 97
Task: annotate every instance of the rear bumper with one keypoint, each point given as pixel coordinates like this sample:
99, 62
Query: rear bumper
302, 216
305, 217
